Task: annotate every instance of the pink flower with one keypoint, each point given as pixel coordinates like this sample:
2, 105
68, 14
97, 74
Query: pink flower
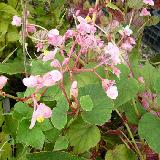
114, 24
150, 2
110, 88
55, 63
31, 28
84, 27
147, 98
141, 80
65, 61
50, 55
131, 40
39, 46
126, 46
54, 38
40, 112
51, 78
17, 21
144, 12
33, 81
116, 71
74, 89
88, 41
114, 52
126, 31
112, 92
69, 34
106, 83
3, 81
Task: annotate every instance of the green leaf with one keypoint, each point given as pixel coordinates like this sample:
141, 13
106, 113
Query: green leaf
120, 153
149, 73
136, 4
57, 155
29, 92
12, 68
61, 143
158, 101
5, 146
86, 78
102, 105
10, 125
45, 125
82, 135
3, 27
38, 67
86, 103
59, 115
112, 6
149, 129
126, 93
30, 137
130, 112
52, 93
52, 135
8, 9
22, 110
13, 36
157, 84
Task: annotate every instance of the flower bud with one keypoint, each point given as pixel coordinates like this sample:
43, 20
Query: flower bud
3, 81
74, 89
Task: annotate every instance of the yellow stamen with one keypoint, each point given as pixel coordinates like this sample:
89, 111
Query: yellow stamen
40, 119
45, 52
88, 19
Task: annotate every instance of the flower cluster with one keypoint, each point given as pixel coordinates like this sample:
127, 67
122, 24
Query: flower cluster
47, 79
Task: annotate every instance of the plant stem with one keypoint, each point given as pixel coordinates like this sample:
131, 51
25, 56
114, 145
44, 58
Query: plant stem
24, 19
132, 137
135, 108
3, 94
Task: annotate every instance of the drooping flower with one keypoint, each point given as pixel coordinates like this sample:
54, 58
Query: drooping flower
33, 81
31, 28
41, 111
110, 88
112, 92
17, 21
3, 81
74, 89
51, 78
144, 12
114, 52
149, 2
126, 31
54, 38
